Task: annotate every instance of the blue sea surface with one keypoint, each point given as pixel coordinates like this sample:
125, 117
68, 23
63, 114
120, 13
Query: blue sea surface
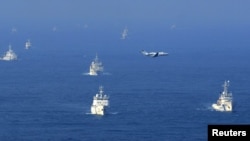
46, 95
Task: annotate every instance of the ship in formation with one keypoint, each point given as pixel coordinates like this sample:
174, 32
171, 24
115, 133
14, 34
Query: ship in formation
27, 44
225, 100
100, 103
96, 67
124, 33
10, 55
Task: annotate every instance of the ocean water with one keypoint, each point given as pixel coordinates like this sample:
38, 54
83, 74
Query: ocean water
46, 95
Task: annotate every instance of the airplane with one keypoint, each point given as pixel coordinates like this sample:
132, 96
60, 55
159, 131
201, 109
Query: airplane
154, 54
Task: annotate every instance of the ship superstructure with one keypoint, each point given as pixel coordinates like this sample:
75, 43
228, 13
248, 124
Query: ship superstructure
95, 67
100, 102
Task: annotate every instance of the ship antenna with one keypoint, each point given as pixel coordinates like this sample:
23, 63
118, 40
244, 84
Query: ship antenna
101, 90
226, 84
96, 57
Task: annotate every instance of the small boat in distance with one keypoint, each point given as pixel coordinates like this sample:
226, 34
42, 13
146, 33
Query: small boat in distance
95, 67
124, 33
100, 102
225, 101
9, 55
27, 44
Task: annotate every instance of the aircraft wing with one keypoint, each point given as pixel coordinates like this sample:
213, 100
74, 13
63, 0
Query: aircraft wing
153, 54
162, 53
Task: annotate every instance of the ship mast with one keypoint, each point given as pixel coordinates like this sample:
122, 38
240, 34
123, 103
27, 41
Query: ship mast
226, 85
101, 90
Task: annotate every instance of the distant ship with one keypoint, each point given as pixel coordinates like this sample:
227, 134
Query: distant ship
27, 44
124, 33
95, 67
225, 101
9, 55
100, 102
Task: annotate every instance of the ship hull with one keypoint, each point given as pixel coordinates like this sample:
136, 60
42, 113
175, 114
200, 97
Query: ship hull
222, 107
8, 58
92, 72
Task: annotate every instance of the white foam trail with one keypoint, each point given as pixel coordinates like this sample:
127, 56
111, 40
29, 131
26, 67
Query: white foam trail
205, 107
86, 73
113, 113
110, 113
107, 73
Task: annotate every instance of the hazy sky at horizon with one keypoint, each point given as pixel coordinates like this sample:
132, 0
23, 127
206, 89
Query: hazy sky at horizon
175, 13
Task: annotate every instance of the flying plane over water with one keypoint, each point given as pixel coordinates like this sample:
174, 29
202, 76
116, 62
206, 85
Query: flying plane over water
154, 54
